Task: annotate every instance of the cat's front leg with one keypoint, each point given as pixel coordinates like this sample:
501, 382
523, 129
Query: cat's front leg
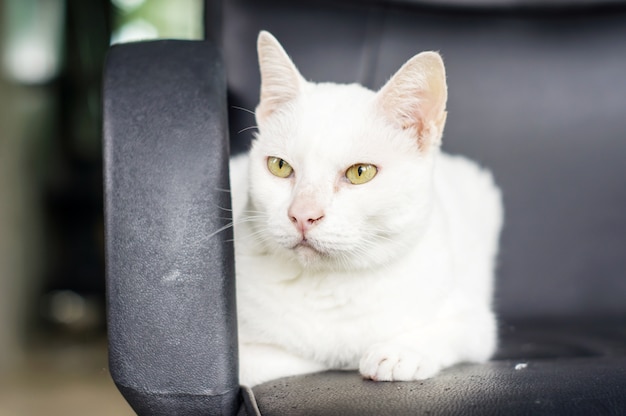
422, 353
259, 363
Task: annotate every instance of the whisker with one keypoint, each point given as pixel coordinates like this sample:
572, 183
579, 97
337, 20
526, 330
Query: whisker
219, 230
243, 109
247, 128
258, 236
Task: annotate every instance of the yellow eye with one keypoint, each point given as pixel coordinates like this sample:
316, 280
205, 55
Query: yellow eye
361, 173
279, 167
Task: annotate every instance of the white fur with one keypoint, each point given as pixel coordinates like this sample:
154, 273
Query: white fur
396, 278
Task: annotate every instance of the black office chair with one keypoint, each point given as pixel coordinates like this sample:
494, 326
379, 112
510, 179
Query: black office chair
537, 94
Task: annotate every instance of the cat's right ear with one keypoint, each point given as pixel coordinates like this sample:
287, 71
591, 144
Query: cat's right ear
280, 80
415, 98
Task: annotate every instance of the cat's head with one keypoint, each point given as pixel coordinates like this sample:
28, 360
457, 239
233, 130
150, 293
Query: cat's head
341, 176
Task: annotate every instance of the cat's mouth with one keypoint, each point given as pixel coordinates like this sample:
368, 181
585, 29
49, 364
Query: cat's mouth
308, 255
304, 243
305, 246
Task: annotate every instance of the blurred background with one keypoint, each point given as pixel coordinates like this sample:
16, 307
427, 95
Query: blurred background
52, 320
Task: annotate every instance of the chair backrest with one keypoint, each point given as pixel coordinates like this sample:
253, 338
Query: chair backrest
537, 94
170, 288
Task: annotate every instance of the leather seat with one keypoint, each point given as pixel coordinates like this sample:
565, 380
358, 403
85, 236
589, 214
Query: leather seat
536, 93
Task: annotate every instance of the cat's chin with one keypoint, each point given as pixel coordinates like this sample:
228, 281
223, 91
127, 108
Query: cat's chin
312, 257
316, 259
308, 255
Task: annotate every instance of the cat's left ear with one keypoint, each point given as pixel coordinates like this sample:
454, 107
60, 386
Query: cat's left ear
415, 98
281, 81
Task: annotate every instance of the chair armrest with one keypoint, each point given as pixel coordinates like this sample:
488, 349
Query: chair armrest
169, 255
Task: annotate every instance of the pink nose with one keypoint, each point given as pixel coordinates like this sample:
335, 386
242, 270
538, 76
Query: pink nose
305, 215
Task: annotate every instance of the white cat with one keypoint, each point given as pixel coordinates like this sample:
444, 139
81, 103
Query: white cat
358, 243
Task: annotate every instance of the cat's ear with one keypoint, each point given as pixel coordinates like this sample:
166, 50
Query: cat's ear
280, 80
415, 98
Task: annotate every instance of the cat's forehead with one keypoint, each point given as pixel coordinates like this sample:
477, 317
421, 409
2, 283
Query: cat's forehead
330, 98
334, 112
334, 122
328, 124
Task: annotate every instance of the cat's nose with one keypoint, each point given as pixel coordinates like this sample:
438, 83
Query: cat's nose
305, 215
304, 224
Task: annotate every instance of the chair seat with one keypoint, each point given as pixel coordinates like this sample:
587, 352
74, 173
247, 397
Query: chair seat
551, 369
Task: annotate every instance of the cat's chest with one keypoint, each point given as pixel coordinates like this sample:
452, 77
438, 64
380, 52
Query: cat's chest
292, 294
339, 305
306, 314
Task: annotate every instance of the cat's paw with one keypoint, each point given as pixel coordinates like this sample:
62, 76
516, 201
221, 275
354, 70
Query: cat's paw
392, 362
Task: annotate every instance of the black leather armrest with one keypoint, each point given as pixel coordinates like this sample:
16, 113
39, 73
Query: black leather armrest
170, 275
